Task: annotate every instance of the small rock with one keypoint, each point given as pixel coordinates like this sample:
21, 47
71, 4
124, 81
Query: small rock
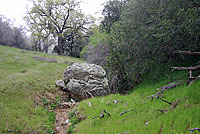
60, 83
89, 104
73, 101
67, 121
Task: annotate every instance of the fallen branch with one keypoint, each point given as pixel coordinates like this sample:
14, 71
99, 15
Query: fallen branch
187, 68
162, 110
191, 80
114, 101
186, 52
173, 104
126, 111
167, 102
102, 114
163, 89
106, 112
192, 130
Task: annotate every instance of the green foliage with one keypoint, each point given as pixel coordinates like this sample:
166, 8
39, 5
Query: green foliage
97, 49
45, 102
111, 12
146, 119
147, 34
50, 19
97, 38
10, 35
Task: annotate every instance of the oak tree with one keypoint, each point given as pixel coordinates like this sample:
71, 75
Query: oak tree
61, 18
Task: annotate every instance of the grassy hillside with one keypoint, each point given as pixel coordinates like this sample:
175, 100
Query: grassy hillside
145, 119
22, 79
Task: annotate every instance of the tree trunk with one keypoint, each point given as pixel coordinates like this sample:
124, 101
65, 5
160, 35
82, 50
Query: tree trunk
61, 42
39, 45
46, 45
71, 47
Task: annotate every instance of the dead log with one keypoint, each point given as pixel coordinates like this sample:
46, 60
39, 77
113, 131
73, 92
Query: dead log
192, 130
186, 52
163, 89
126, 111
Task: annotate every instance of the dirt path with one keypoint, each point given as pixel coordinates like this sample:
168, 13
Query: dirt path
61, 111
62, 121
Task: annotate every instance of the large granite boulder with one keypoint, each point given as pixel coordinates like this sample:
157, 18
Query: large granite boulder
85, 80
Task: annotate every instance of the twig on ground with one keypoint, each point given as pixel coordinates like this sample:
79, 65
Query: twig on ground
114, 101
192, 130
162, 110
102, 114
126, 111
167, 102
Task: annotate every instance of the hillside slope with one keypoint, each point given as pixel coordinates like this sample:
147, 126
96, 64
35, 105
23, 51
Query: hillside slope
22, 79
145, 116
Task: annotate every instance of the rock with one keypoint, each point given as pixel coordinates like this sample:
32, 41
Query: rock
45, 59
60, 83
85, 80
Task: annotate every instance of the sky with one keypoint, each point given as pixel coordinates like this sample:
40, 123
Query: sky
15, 9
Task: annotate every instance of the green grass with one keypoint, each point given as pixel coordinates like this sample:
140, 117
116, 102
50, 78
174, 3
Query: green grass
185, 116
22, 78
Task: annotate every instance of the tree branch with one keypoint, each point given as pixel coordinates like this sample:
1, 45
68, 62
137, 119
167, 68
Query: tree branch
102, 114
65, 21
186, 52
192, 130
163, 89
187, 68
126, 111
167, 102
